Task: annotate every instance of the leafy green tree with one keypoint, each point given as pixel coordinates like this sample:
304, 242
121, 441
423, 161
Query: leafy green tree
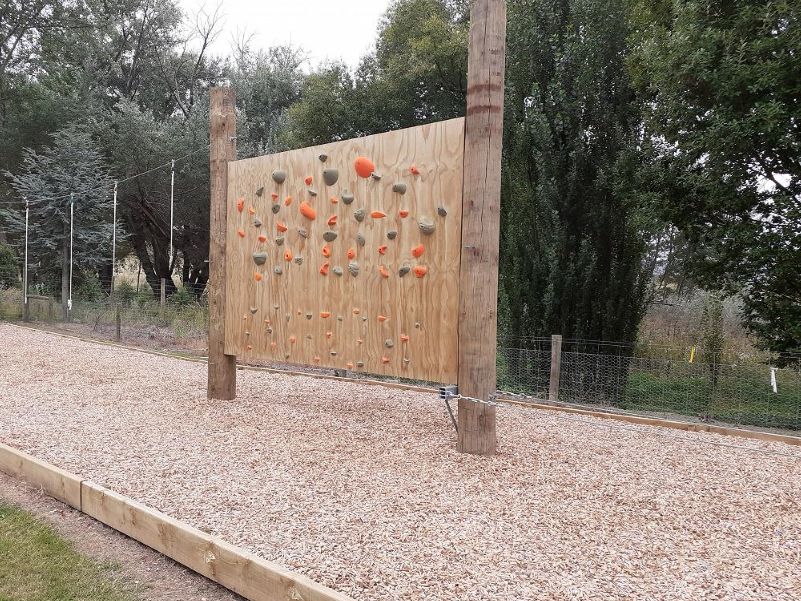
73, 165
724, 102
9, 267
575, 224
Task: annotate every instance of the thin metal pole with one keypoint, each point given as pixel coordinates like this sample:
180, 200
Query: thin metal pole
114, 241
72, 218
25, 265
172, 191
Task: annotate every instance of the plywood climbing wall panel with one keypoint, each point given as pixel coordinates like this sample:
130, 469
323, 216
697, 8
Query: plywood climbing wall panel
346, 255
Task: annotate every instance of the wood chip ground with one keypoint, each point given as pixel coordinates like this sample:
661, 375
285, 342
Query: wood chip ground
361, 488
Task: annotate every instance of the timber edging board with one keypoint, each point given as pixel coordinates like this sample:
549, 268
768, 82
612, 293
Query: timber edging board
242, 572
540, 404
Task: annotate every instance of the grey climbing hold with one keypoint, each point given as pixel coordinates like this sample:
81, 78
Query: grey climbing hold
259, 258
375, 175
323, 157
308, 315
340, 318
417, 324
404, 270
330, 176
353, 268
347, 197
399, 187
279, 176
279, 241
358, 215
405, 360
392, 234
298, 260
269, 330
276, 208
286, 355
388, 343
260, 191
337, 270
303, 233
426, 225
308, 336
247, 333
288, 317
333, 353
253, 310
360, 364
360, 239
275, 307
329, 236
256, 222
312, 192
364, 318
441, 211
278, 270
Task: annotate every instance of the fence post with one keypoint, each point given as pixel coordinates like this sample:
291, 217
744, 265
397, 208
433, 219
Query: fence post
118, 333
556, 367
163, 297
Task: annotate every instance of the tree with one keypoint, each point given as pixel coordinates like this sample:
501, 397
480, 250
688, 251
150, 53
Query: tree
71, 170
724, 107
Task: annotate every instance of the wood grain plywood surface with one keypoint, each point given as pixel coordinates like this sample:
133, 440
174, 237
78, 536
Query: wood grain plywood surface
364, 315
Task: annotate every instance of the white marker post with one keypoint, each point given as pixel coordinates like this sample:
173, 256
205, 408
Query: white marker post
172, 191
25, 267
114, 241
72, 218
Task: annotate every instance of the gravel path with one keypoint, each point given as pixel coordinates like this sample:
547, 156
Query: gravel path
360, 487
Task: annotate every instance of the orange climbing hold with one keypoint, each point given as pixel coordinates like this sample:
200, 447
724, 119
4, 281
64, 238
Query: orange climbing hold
274, 195
280, 226
308, 180
403, 213
364, 167
287, 255
404, 338
316, 358
287, 201
307, 211
326, 251
382, 318
262, 237
292, 339
384, 360
325, 314
382, 250
378, 214
324, 268
351, 253
273, 345
329, 334
420, 270
249, 348
251, 211
349, 365
241, 232
383, 271
418, 250
240, 205
356, 310
359, 341
414, 170
332, 221
334, 200
257, 276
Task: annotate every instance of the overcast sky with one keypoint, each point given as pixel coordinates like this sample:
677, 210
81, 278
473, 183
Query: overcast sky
326, 29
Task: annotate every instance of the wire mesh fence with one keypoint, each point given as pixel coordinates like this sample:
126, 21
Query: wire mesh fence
673, 382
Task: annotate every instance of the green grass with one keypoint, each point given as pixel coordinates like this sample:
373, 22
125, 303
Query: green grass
38, 565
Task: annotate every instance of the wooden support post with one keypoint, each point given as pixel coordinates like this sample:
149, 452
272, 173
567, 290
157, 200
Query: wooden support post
222, 367
556, 367
478, 286
118, 319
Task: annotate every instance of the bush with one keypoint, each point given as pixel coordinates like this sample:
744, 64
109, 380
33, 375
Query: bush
9, 274
124, 292
182, 297
89, 288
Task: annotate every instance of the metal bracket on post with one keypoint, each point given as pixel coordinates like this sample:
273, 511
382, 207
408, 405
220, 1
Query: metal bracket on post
446, 393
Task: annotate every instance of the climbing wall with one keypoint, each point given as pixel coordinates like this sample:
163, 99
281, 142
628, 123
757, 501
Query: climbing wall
346, 255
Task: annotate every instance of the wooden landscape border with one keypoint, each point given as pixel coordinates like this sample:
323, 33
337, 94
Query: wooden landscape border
234, 568
539, 404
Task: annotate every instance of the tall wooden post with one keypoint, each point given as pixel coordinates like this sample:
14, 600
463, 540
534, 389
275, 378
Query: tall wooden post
478, 286
222, 134
556, 367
